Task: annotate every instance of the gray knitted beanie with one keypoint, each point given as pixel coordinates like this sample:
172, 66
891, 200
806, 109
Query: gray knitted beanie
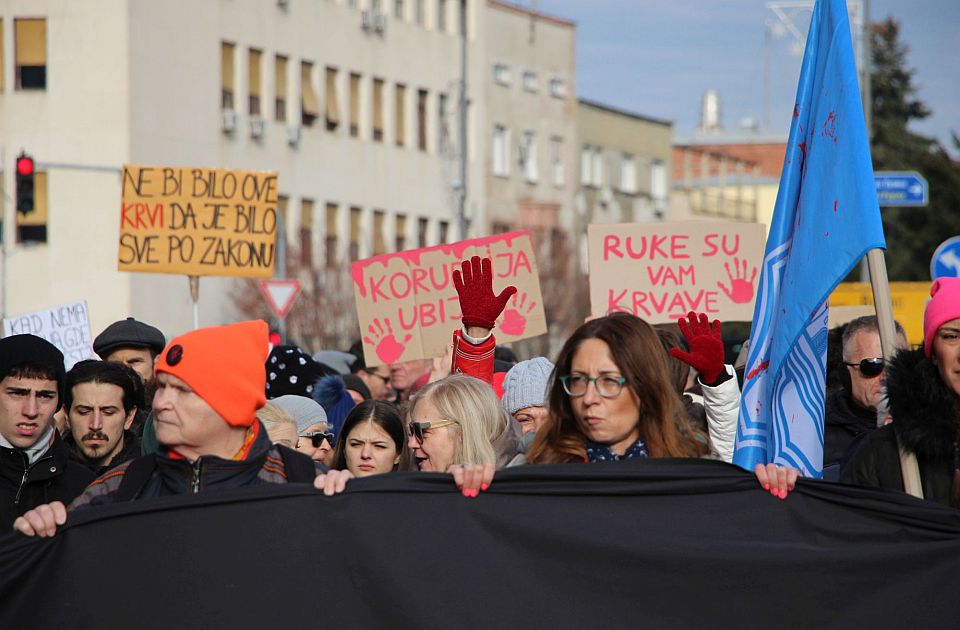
525, 385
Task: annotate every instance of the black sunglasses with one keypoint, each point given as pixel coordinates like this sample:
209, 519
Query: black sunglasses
385, 379
317, 438
870, 368
417, 428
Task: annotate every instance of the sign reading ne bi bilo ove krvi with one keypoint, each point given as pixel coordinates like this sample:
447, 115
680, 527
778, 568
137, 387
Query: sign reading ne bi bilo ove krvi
198, 221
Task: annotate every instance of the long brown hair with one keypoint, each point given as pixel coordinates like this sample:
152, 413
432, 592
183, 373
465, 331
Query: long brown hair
638, 353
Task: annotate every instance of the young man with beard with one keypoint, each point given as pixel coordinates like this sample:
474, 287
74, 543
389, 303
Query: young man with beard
102, 399
210, 384
34, 463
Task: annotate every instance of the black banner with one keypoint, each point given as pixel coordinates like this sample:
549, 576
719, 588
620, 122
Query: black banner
655, 543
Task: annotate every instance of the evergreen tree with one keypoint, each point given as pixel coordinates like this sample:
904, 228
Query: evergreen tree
912, 233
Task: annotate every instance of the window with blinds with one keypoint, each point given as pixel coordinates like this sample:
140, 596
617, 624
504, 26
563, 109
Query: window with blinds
226, 75
422, 120
332, 102
379, 242
280, 88
400, 232
306, 233
30, 43
309, 103
331, 240
253, 81
400, 114
356, 215
354, 105
378, 110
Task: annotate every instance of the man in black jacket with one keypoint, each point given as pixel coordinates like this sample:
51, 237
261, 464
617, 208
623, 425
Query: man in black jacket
102, 399
34, 464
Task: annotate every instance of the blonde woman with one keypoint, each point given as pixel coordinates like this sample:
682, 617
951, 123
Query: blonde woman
458, 421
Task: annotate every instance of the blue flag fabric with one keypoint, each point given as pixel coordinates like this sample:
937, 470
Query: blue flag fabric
825, 220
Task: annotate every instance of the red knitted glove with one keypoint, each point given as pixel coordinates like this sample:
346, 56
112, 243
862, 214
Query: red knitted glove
706, 346
480, 307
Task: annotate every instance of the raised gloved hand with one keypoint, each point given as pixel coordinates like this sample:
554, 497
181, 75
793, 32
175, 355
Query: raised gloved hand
706, 346
479, 305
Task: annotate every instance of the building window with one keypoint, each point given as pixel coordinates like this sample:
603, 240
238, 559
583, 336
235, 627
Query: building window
398, 9
331, 241
400, 232
597, 167
500, 227
628, 174
530, 80
356, 215
528, 156
400, 114
379, 242
556, 149
253, 81
354, 105
422, 120
442, 16
586, 161
423, 226
558, 88
31, 50
443, 131
306, 233
501, 74
378, 110
226, 75
658, 185
309, 103
280, 98
501, 150
32, 227
443, 229
333, 108
418, 12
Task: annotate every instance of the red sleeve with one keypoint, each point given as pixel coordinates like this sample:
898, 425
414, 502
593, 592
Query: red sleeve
473, 360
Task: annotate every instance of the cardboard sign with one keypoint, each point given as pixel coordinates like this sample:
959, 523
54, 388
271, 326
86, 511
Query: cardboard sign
198, 221
408, 307
661, 271
67, 327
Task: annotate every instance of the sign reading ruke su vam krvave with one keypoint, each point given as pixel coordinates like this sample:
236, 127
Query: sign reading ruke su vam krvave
661, 271
198, 221
408, 307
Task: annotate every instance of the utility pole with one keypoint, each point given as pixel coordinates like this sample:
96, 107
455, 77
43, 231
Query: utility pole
462, 193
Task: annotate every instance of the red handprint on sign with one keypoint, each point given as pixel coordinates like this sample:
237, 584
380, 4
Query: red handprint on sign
387, 347
515, 317
741, 290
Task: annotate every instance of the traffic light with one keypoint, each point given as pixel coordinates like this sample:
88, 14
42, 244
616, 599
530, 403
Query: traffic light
25, 172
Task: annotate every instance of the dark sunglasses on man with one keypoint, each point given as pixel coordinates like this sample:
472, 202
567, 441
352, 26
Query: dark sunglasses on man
869, 368
317, 438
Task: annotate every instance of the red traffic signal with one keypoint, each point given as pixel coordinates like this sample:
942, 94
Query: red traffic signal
24, 166
25, 173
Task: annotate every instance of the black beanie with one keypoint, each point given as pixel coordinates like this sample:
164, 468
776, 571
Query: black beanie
19, 350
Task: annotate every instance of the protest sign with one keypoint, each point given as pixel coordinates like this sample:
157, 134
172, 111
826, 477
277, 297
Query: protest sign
198, 221
408, 307
661, 271
67, 327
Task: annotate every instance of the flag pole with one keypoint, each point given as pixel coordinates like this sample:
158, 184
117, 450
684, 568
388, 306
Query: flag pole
881, 301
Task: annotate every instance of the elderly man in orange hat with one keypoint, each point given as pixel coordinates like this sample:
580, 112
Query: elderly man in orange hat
210, 384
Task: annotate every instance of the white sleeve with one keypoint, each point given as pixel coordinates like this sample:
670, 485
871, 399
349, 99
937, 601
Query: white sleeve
722, 406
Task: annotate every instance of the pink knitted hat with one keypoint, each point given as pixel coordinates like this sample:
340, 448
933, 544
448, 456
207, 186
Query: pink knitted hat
943, 306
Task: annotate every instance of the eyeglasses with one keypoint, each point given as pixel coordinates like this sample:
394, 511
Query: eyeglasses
417, 428
385, 379
607, 386
317, 438
869, 368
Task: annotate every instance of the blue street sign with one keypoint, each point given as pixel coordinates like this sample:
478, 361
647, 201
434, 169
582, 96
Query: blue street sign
946, 259
901, 188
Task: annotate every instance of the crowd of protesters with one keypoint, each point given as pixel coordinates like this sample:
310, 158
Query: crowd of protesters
219, 408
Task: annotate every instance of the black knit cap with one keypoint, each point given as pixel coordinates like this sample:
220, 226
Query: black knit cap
129, 333
18, 350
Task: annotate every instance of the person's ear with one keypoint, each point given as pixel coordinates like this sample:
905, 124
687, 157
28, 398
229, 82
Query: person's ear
130, 417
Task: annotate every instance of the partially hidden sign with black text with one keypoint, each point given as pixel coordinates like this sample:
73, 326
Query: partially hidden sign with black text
198, 221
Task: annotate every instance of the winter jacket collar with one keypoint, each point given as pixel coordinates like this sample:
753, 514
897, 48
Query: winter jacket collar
926, 413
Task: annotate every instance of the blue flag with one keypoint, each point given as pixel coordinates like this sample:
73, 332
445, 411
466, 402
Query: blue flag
825, 220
